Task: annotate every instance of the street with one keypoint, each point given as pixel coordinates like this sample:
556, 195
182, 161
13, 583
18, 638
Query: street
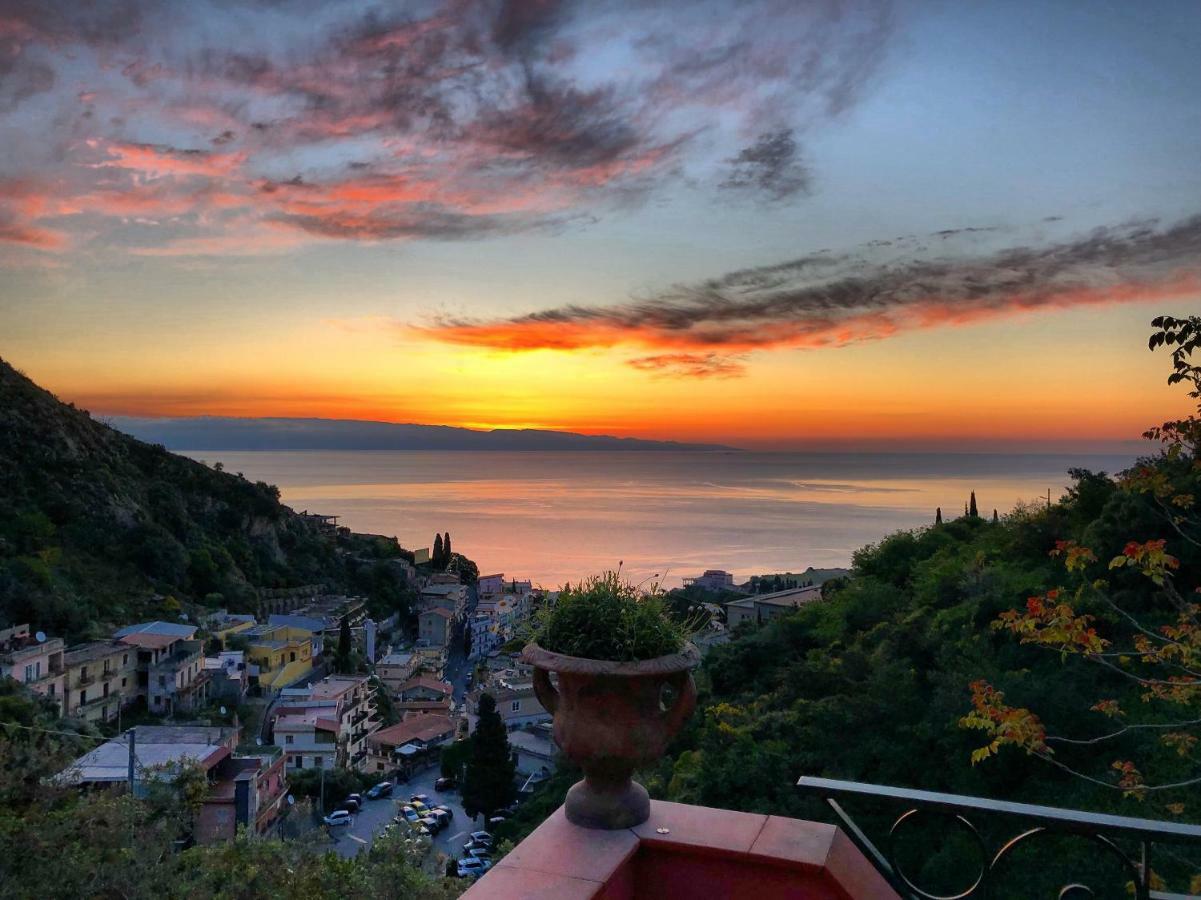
375, 814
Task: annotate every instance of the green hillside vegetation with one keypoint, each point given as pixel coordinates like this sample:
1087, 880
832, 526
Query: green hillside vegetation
98, 529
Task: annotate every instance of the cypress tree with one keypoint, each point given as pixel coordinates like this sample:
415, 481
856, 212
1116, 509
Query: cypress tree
972, 511
446, 547
342, 656
488, 782
938, 515
965, 509
995, 518
436, 555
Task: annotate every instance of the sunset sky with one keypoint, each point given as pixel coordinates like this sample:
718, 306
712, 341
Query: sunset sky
771, 223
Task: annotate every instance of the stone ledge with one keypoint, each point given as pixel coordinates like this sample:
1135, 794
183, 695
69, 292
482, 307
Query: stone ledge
701, 853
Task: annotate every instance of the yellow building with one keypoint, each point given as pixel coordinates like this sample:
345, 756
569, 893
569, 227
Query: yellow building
278, 654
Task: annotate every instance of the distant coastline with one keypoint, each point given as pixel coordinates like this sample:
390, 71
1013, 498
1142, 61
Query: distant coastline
214, 433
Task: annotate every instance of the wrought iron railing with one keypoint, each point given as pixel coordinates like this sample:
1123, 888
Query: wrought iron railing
1129, 843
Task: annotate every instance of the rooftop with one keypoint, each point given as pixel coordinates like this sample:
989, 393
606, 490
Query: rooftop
439, 611
427, 681
94, 650
419, 728
110, 761
149, 640
685, 852
157, 627
333, 686
790, 597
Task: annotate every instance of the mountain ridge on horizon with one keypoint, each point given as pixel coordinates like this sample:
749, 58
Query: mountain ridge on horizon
210, 433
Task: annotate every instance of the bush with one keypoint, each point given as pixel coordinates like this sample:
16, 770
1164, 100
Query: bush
606, 618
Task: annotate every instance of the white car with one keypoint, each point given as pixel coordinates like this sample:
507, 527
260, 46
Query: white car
473, 868
481, 836
338, 817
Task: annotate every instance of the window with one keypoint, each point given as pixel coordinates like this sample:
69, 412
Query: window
123, 680
28, 673
318, 762
516, 706
288, 739
83, 697
125, 659
106, 689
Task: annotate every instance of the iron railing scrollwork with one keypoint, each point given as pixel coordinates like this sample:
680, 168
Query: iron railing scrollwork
991, 866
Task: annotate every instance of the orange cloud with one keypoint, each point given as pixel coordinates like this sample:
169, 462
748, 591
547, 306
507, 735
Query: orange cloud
825, 301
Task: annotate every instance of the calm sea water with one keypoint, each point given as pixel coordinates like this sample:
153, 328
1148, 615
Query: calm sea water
557, 516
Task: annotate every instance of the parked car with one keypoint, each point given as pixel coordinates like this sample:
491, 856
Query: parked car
498, 820
473, 868
410, 814
445, 784
422, 809
352, 803
480, 853
338, 817
383, 789
358, 798
420, 798
440, 816
482, 836
431, 823
450, 813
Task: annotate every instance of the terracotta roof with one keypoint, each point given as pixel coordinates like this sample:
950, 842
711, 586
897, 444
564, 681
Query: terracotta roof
426, 681
420, 728
150, 641
419, 705
439, 611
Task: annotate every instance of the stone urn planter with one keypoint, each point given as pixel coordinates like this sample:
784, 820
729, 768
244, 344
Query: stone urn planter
610, 718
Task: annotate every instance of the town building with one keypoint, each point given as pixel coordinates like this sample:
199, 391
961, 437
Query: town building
394, 670
408, 744
534, 751
277, 656
765, 607
488, 585
316, 626
450, 597
425, 687
229, 676
435, 627
517, 705
170, 665
33, 660
712, 580
99, 678
223, 625
327, 723
243, 791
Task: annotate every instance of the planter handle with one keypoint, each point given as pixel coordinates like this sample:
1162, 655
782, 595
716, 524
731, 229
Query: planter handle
547, 695
685, 701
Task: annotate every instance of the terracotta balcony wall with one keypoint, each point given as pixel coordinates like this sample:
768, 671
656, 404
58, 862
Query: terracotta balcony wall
685, 852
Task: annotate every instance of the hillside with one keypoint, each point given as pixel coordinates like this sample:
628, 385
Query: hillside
98, 528
226, 433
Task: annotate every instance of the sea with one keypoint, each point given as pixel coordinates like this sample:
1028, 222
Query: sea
555, 517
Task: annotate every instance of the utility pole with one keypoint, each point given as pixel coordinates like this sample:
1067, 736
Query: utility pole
133, 739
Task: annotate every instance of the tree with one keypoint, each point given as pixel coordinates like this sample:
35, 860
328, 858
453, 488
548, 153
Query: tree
938, 516
995, 518
1127, 614
342, 657
446, 547
972, 511
488, 783
454, 758
436, 556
